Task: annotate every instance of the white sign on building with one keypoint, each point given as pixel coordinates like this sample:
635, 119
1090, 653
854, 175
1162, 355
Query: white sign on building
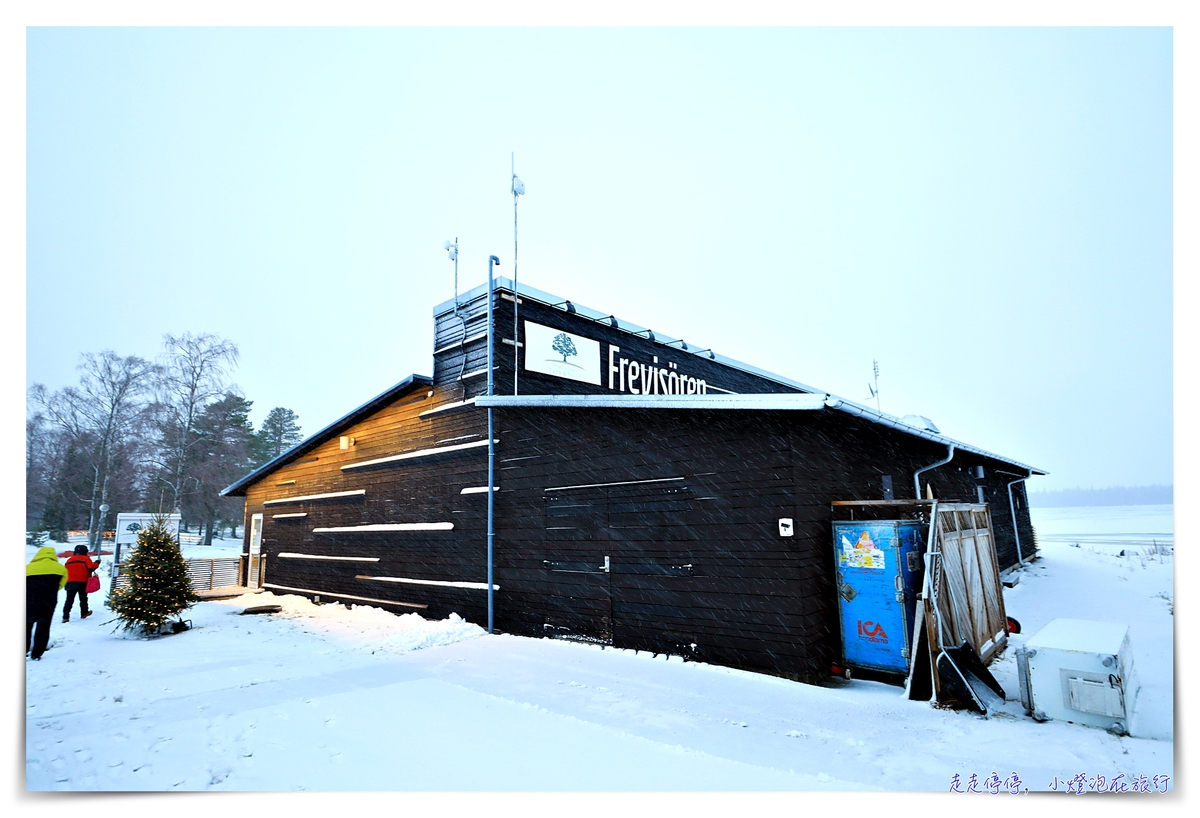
561, 354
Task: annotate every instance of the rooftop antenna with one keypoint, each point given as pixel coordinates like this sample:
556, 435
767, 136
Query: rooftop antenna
451, 247
875, 389
518, 189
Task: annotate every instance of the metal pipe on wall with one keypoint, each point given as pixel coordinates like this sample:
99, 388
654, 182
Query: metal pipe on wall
491, 483
917, 474
1013, 510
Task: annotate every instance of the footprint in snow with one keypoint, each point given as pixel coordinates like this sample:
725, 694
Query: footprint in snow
83, 755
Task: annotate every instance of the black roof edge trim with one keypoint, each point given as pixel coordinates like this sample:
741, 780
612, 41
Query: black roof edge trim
408, 384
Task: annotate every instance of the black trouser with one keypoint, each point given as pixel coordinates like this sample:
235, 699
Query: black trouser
74, 588
39, 640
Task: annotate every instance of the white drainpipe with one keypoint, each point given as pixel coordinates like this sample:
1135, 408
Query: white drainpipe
917, 474
1013, 510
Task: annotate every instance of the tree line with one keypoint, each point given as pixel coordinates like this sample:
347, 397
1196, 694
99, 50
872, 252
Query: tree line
155, 436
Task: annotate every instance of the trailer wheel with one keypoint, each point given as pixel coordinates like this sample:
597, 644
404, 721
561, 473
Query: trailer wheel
1013, 625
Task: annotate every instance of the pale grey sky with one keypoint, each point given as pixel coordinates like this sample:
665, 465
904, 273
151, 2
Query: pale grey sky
987, 212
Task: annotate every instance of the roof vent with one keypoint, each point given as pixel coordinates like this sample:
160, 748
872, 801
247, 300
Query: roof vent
920, 422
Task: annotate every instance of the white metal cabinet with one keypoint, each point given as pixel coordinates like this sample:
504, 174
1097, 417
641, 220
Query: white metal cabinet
1080, 671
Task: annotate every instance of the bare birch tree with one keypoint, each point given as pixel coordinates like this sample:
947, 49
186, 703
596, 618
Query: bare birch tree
195, 372
98, 415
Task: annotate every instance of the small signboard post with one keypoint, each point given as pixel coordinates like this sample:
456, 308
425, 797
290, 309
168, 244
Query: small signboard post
128, 526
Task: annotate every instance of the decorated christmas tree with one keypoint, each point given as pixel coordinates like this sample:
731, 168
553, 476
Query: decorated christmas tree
158, 585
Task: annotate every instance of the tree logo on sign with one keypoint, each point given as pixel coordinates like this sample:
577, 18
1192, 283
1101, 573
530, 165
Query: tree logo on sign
564, 346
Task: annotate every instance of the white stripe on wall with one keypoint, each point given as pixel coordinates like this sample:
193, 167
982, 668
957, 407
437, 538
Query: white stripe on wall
283, 516
481, 586
446, 407
419, 453
478, 490
386, 527
342, 596
623, 483
290, 555
461, 342
328, 496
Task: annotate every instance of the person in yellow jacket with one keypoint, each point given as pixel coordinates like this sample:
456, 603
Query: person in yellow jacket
44, 577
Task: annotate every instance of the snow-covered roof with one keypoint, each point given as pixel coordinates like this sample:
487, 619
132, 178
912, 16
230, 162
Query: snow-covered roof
926, 429
793, 401
774, 402
811, 399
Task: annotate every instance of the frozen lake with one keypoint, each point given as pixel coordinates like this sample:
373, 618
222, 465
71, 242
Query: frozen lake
1106, 528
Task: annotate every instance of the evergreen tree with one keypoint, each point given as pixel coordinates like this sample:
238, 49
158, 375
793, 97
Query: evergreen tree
221, 458
278, 433
159, 587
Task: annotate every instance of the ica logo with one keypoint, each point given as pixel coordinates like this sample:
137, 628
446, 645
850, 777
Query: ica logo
871, 631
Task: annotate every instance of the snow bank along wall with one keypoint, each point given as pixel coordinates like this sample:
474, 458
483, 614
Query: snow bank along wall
656, 526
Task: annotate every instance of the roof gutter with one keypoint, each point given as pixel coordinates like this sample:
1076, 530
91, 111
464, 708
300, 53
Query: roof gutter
917, 474
882, 419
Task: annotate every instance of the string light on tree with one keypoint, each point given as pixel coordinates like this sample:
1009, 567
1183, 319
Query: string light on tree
158, 587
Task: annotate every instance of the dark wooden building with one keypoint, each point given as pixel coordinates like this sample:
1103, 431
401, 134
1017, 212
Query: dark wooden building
648, 494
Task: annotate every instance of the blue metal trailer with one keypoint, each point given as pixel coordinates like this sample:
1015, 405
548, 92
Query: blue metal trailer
879, 574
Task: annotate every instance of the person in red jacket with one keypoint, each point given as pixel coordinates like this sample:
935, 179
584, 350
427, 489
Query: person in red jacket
79, 569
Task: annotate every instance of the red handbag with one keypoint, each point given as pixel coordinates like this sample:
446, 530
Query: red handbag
93, 584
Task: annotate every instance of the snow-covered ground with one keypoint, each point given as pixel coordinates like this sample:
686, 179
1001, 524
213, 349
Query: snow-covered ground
330, 698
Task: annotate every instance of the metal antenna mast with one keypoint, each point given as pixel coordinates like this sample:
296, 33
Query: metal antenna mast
518, 189
875, 391
451, 247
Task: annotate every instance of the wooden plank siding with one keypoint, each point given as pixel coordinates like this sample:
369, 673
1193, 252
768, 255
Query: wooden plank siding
652, 529
420, 490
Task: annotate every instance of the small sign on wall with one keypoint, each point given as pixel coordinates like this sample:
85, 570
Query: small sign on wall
786, 529
561, 354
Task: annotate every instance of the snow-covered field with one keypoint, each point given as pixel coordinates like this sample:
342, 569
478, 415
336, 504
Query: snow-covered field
330, 698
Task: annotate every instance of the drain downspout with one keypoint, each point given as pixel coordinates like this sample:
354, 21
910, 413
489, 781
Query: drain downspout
491, 483
917, 474
1013, 510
